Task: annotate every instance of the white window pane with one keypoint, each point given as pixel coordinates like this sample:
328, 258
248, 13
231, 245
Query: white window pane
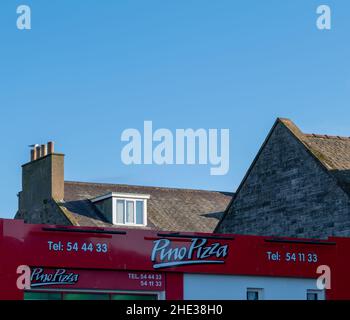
252, 295
314, 295
139, 212
120, 211
130, 212
311, 296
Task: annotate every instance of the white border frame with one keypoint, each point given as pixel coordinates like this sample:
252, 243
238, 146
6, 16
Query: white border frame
114, 211
121, 195
260, 292
320, 294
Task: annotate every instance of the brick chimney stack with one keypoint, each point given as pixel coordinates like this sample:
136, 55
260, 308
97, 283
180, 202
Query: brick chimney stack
42, 181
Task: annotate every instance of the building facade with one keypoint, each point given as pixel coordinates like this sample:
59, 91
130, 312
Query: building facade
112, 241
72, 263
298, 186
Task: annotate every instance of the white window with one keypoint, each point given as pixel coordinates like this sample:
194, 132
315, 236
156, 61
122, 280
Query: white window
130, 211
254, 294
314, 295
120, 211
123, 208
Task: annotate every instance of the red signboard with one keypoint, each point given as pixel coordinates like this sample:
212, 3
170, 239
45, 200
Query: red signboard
146, 260
96, 279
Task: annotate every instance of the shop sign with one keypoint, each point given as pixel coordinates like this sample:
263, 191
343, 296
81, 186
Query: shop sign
41, 277
165, 254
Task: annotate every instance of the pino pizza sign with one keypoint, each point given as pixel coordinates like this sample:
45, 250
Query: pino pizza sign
166, 255
41, 277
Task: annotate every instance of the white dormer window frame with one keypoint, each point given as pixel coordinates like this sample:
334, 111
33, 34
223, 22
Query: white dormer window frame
126, 202
131, 203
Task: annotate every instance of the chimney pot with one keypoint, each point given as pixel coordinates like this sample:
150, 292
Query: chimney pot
37, 151
50, 147
43, 150
33, 154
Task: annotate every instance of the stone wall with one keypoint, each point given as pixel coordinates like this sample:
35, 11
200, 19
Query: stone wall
288, 193
46, 213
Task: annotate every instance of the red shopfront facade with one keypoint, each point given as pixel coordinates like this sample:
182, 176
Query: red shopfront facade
90, 263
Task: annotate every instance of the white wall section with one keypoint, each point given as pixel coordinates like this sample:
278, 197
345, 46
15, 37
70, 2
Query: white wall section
226, 287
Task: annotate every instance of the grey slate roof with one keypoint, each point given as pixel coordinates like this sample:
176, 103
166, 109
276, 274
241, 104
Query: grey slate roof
168, 208
333, 152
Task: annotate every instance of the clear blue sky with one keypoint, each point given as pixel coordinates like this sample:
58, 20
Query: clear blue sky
90, 69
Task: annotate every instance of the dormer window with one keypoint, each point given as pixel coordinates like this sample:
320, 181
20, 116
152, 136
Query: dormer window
124, 208
129, 211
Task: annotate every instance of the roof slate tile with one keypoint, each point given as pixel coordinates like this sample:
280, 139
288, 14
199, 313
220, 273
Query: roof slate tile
168, 208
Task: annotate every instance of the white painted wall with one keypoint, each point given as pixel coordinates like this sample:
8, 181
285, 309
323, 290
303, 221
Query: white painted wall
227, 287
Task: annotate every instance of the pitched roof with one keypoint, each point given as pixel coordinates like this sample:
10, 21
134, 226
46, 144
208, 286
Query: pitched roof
332, 152
167, 209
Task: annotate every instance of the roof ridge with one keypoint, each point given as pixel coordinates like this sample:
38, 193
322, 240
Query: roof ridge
302, 138
296, 130
326, 136
142, 186
321, 157
292, 127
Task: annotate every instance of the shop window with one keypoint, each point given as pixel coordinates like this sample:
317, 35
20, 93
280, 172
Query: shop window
133, 297
85, 296
42, 296
254, 294
36, 295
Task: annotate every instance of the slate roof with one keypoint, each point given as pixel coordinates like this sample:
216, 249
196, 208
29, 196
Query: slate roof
333, 152
167, 209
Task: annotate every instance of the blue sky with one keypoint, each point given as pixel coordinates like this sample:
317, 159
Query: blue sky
87, 71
